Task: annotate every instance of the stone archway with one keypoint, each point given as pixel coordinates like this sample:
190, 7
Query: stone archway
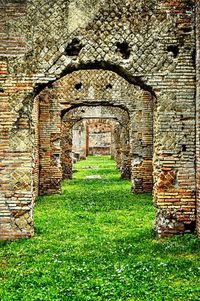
124, 101
148, 44
116, 114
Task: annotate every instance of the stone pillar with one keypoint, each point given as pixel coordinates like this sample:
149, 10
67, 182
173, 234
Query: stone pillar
87, 139
125, 162
79, 139
141, 140
175, 131
50, 172
112, 150
36, 147
120, 149
116, 139
174, 189
17, 163
66, 146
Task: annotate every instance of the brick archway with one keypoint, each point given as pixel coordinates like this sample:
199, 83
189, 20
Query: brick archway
147, 43
107, 90
113, 113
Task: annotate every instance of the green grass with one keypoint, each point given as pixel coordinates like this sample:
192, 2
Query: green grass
95, 242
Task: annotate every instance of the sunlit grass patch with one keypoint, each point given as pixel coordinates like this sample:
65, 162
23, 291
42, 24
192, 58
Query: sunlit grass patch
95, 241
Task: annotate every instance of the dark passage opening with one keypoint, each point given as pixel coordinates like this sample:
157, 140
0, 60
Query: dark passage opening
174, 49
78, 86
124, 49
74, 48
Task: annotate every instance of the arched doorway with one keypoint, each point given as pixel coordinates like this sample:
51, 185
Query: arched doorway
119, 118
77, 96
152, 53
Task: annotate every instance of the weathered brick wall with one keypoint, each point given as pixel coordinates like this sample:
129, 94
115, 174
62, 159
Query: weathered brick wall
150, 43
99, 138
17, 160
141, 143
79, 140
13, 40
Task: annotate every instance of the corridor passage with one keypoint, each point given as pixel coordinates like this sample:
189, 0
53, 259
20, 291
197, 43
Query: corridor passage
95, 242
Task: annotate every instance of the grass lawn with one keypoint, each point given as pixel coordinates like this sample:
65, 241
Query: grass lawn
95, 242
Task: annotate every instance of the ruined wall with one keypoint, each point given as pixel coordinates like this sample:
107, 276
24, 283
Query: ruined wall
150, 43
141, 142
79, 139
99, 138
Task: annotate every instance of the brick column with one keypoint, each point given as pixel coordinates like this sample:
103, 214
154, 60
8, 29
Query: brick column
174, 189
141, 137
125, 162
66, 147
18, 165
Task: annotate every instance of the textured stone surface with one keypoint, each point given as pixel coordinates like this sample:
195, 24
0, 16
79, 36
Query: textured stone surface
99, 138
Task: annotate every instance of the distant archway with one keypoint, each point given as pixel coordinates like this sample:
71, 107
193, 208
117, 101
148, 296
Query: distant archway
115, 114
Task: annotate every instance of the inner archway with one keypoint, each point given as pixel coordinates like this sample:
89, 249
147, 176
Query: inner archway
88, 114
96, 88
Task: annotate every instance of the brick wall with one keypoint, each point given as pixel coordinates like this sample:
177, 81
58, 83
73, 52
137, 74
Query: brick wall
99, 138
151, 44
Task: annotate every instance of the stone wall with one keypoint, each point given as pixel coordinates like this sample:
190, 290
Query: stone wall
150, 43
99, 138
79, 139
